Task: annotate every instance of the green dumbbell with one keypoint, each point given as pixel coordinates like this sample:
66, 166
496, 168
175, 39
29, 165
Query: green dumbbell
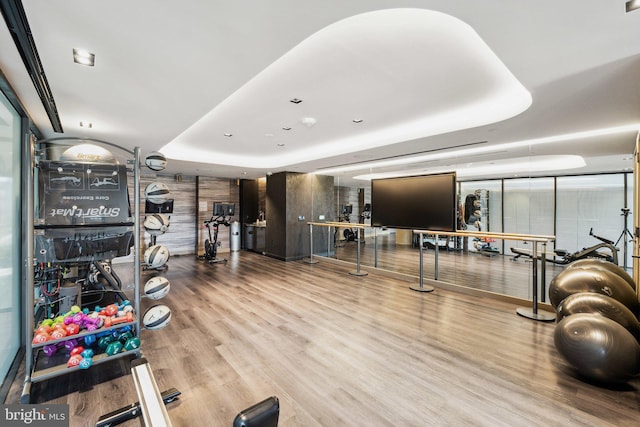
132, 344
123, 337
105, 341
114, 348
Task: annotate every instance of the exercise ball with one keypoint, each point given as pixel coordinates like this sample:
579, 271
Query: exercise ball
155, 161
573, 280
157, 192
602, 305
156, 317
601, 264
598, 348
156, 224
156, 256
157, 287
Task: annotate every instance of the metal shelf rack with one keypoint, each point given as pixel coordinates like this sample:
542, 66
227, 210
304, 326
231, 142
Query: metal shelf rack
38, 367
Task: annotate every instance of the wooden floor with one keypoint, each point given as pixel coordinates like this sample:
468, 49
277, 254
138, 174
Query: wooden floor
341, 350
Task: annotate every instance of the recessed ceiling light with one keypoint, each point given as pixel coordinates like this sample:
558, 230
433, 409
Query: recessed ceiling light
295, 100
82, 57
281, 145
286, 128
627, 158
357, 120
632, 5
228, 134
308, 121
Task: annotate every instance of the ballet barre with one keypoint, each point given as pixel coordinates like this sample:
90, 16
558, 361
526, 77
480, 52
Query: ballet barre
531, 313
337, 225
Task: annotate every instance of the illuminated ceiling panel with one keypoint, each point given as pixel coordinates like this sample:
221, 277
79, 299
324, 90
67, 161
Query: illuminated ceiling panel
370, 80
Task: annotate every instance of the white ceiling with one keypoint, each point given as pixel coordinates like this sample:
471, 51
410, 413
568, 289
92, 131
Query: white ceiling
164, 69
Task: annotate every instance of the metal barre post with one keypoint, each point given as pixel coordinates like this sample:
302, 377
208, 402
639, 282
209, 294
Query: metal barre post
375, 247
311, 260
358, 272
437, 250
533, 313
543, 273
421, 287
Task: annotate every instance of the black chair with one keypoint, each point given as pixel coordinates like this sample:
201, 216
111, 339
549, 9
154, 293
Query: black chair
262, 414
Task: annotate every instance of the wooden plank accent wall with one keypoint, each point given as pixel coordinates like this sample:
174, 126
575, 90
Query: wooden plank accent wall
210, 190
186, 234
179, 238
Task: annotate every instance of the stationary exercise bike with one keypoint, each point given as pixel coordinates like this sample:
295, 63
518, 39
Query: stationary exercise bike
348, 233
605, 250
211, 244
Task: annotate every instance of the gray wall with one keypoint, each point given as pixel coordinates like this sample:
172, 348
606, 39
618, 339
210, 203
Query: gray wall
289, 197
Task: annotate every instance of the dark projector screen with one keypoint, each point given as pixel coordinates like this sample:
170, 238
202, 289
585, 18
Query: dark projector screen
426, 202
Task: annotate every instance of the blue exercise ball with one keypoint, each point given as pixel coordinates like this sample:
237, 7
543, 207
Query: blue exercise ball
598, 348
573, 280
601, 264
599, 305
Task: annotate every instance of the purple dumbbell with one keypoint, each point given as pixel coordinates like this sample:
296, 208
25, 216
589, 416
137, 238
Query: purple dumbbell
78, 318
70, 344
50, 349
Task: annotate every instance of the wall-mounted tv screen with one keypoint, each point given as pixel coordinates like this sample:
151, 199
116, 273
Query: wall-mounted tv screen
224, 209
425, 202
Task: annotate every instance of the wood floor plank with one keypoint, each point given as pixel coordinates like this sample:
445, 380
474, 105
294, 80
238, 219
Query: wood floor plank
343, 350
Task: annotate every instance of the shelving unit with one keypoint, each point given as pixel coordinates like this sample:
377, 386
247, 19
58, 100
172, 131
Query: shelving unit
72, 240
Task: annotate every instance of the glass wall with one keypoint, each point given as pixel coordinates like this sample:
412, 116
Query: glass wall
10, 273
587, 206
567, 207
528, 208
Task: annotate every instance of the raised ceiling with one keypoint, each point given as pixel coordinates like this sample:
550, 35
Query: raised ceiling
178, 76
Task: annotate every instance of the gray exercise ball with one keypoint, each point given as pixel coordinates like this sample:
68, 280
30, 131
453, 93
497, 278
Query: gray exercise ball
602, 264
573, 280
598, 348
602, 305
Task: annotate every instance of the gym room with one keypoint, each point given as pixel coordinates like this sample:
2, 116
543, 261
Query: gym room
285, 213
